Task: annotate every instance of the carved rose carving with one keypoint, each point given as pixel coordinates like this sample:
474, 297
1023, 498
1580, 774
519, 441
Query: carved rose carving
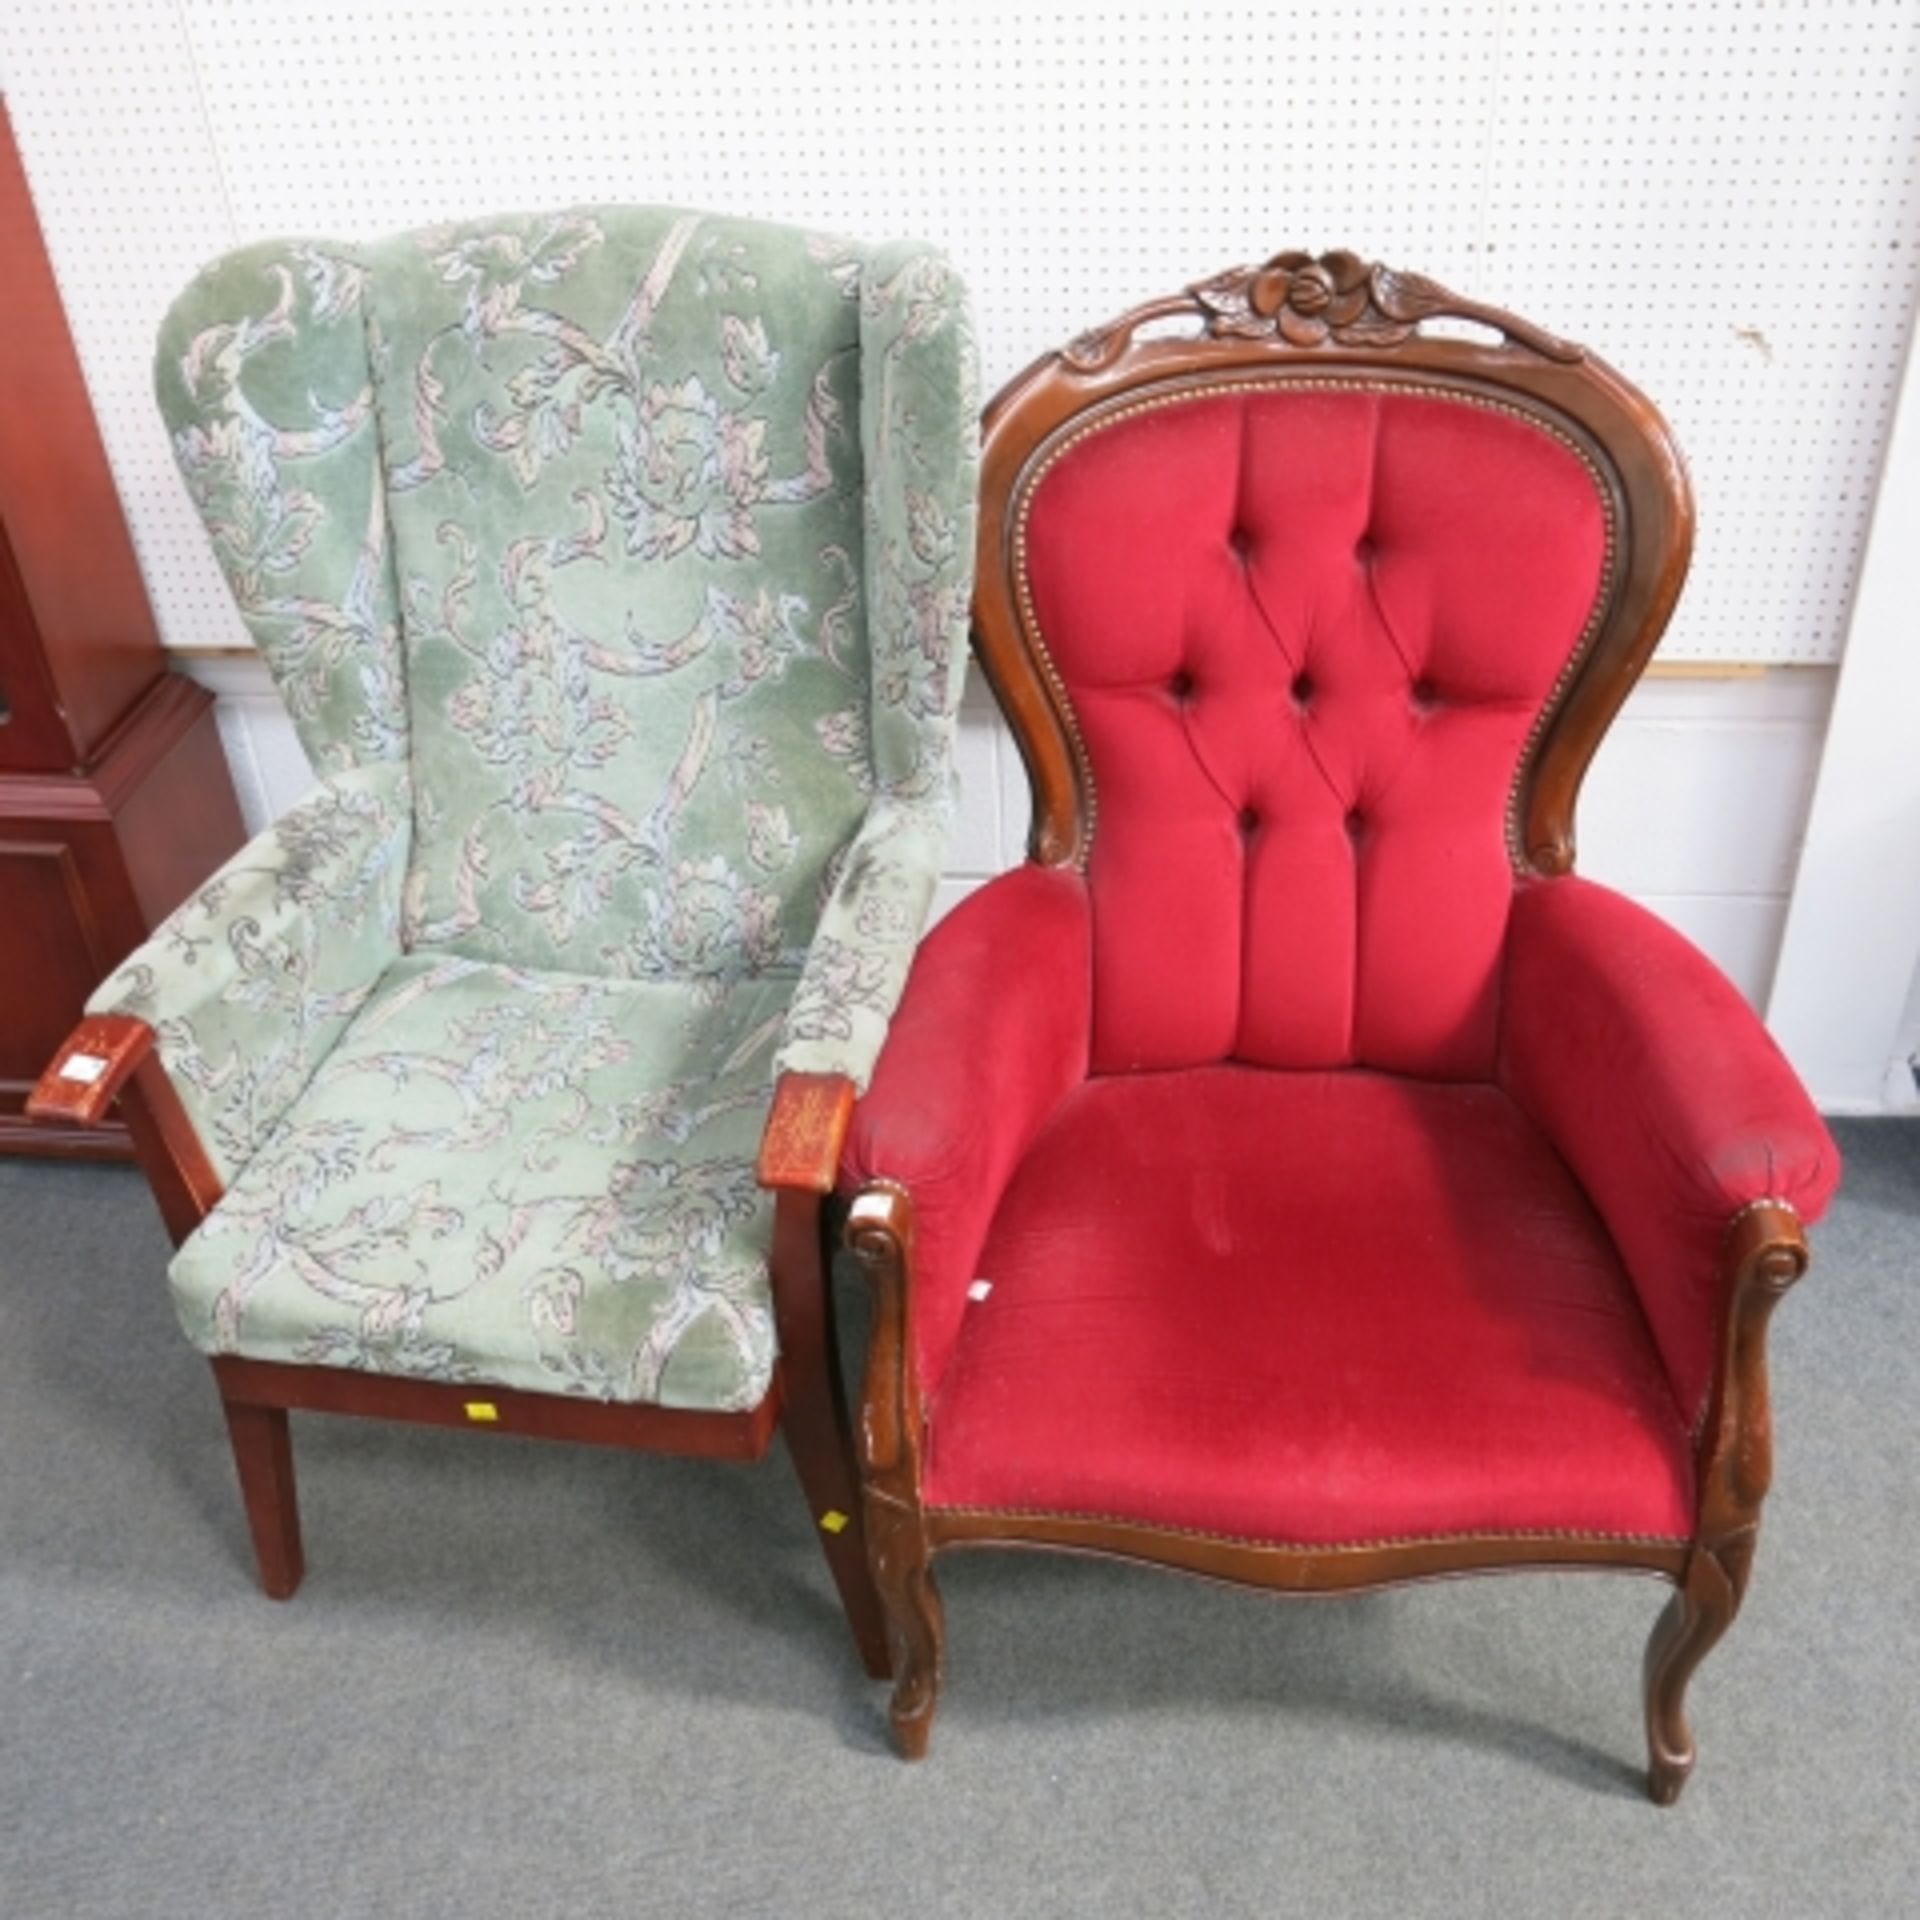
1305, 299
1336, 299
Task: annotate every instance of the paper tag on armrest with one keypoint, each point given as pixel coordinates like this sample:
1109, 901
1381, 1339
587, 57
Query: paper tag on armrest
83, 1067
980, 1289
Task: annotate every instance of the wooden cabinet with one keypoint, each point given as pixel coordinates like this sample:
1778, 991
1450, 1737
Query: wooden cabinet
115, 801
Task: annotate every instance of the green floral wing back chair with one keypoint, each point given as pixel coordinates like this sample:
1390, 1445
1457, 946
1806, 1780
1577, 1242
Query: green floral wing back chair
614, 567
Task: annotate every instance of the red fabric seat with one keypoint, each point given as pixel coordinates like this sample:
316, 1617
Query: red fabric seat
1306, 1307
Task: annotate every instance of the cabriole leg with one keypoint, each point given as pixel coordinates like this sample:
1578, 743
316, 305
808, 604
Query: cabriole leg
916, 1625
1683, 1636
1765, 1254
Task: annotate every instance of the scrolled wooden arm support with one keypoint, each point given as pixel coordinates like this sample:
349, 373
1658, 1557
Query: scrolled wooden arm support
880, 1236
109, 1057
1766, 1252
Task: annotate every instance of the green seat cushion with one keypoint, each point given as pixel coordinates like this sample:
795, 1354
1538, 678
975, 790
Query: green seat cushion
538, 1180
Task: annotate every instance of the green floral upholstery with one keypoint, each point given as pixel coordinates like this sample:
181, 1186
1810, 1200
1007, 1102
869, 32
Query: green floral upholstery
252, 982
614, 567
541, 1179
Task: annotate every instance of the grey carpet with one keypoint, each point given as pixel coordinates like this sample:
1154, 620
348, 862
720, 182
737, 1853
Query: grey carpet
525, 1679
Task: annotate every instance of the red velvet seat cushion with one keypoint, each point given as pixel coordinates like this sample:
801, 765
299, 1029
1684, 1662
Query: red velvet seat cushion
1306, 1306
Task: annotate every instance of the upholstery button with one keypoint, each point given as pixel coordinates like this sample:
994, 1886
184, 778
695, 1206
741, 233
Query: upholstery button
1354, 823
1424, 696
1241, 541
1249, 820
1181, 685
1363, 550
1303, 686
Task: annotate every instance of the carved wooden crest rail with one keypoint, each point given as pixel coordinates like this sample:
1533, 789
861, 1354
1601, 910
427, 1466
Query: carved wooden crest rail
1336, 300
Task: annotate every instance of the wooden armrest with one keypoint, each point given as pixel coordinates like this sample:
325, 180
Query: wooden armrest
106, 1055
801, 1145
87, 1074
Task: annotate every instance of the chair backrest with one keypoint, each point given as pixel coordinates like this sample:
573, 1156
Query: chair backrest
1308, 621
586, 519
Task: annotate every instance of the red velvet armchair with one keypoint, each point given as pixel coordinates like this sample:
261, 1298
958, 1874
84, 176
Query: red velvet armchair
1293, 1173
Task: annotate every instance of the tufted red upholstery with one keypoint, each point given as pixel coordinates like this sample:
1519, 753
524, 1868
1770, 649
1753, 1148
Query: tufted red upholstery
1306, 627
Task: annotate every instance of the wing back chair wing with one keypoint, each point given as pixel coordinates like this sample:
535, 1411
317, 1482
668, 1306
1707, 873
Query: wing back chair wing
1336, 1190
613, 566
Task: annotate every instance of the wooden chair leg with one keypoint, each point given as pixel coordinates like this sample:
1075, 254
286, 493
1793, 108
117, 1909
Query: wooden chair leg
263, 1456
1683, 1636
916, 1622
823, 1459
814, 1414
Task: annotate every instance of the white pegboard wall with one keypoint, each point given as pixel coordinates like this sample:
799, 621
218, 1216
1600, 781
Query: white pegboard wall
1720, 197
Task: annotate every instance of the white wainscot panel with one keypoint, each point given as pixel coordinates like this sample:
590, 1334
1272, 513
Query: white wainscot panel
949, 893
1903, 1094
1738, 932
270, 767
974, 847
1697, 803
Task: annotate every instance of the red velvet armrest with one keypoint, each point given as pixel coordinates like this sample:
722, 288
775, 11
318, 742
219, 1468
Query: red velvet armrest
1659, 1086
990, 1035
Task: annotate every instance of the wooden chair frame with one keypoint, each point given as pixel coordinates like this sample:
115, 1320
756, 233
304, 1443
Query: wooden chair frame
1315, 320
799, 1152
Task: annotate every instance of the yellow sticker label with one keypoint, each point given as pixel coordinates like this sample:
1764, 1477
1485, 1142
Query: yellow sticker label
482, 1410
833, 1520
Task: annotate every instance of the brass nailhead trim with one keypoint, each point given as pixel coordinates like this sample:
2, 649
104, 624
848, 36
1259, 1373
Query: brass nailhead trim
1576, 658
1310, 1546
1754, 1206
